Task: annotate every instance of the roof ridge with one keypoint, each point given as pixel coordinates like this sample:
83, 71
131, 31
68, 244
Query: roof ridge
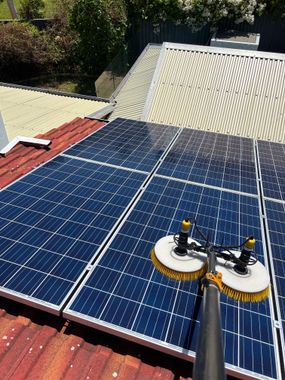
49, 91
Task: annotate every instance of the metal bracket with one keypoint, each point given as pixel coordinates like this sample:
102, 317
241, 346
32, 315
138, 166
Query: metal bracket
24, 140
214, 278
6, 146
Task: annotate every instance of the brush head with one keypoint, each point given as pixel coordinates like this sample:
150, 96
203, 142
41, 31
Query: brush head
253, 286
182, 268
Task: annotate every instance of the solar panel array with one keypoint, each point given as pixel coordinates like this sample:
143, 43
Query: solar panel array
80, 230
272, 158
126, 143
272, 175
54, 220
276, 225
214, 159
124, 291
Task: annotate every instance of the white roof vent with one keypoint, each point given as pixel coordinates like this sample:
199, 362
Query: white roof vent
235, 39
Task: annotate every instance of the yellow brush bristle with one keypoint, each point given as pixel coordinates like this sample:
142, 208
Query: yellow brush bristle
246, 297
179, 276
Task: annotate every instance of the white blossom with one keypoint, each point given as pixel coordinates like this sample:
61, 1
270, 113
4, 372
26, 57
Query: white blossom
199, 12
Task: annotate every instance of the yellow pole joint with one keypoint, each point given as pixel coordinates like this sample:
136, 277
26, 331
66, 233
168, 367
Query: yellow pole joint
185, 226
250, 243
216, 278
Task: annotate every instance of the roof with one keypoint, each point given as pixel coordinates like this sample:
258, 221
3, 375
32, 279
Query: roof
231, 91
132, 92
33, 351
29, 112
23, 159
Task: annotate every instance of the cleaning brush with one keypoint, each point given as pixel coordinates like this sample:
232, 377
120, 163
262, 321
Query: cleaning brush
252, 284
181, 258
172, 258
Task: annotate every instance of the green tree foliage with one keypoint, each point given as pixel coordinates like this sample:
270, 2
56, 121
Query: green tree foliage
61, 8
155, 10
61, 39
101, 25
30, 9
23, 51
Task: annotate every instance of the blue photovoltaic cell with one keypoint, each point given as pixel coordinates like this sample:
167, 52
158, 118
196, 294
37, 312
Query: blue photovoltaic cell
52, 222
276, 224
272, 159
126, 291
126, 143
214, 159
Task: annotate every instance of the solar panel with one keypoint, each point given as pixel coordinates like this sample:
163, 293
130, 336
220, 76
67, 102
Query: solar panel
276, 224
214, 159
126, 143
126, 295
272, 158
53, 221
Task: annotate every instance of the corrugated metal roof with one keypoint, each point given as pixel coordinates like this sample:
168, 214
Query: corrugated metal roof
31, 351
28, 112
132, 92
23, 159
230, 91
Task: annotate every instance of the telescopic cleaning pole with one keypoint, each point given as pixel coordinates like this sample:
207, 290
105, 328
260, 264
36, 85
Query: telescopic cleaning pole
209, 362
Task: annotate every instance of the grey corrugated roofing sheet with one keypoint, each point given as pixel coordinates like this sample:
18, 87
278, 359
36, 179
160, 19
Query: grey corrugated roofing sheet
28, 112
131, 94
221, 90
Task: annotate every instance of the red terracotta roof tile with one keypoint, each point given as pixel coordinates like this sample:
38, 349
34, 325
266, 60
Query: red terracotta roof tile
3, 171
22, 158
112, 367
31, 351
23, 369
82, 364
10, 177
146, 372
129, 368
9, 159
